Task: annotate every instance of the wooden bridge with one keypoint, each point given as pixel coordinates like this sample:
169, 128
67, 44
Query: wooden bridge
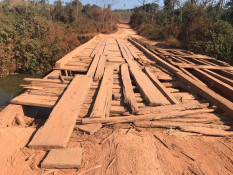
112, 80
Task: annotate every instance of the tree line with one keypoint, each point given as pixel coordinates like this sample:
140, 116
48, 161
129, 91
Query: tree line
35, 34
202, 26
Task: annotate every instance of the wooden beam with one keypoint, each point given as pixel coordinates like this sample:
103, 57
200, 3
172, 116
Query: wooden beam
134, 118
129, 97
207, 67
224, 88
220, 77
103, 100
208, 94
161, 87
45, 80
100, 69
59, 126
94, 64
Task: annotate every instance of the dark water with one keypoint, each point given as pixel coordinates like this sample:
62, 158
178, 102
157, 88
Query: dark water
10, 86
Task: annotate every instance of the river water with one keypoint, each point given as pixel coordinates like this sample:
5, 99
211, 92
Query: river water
10, 86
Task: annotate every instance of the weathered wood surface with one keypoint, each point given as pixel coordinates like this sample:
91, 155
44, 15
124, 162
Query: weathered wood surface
8, 114
63, 158
129, 97
103, 100
135, 118
58, 128
35, 100
208, 94
224, 88
161, 87
207, 67
100, 68
150, 93
60, 63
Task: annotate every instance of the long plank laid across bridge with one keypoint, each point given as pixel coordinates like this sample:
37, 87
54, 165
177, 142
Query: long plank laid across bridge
110, 80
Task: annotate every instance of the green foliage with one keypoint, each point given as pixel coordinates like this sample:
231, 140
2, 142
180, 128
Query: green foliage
35, 35
206, 30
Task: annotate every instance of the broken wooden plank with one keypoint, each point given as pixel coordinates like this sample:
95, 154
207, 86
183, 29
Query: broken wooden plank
90, 128
161, 87
100, 69
8, 114
134, 118
208, 94
129, 97
63, 158
103, 100
58, 128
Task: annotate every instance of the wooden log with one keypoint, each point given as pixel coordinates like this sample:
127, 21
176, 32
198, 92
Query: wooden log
100, 69
60, 63
103, 101
224, 88
134, 118
208, 94
59, 126
161, 87
147, 89
129, 97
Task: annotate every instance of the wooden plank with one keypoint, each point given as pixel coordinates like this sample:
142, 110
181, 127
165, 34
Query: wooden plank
134, 118
105, 52
103, 101
224, 88
58, 128
97, 48
207, 67
129, 97
221, 78
35, 100
63, 158
90, 128
147, 89
155, 57
123, 52
44, 80
60, 63
208, 94
8, 114
161, 87
136, 56
94, 64
100, 69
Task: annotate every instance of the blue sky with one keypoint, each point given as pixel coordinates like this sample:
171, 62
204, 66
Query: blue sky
119, 4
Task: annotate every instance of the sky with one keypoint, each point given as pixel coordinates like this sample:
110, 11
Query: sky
119, 4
